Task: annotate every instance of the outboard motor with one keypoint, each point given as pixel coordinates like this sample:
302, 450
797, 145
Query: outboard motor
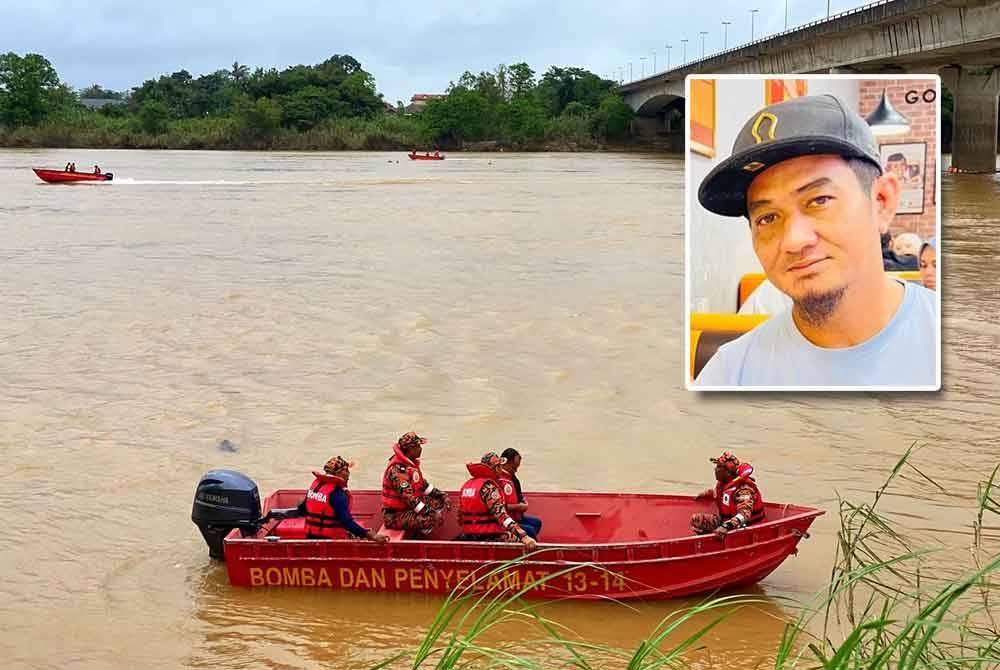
225, 499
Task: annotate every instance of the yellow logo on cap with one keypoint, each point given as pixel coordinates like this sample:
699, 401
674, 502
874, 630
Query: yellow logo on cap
755, 130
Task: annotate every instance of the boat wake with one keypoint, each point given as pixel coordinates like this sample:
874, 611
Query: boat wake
196, 182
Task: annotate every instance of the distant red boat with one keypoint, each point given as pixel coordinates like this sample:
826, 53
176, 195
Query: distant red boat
63, 177
414, 156
623, 546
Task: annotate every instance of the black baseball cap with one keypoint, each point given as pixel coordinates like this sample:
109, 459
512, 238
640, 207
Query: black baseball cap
813, 124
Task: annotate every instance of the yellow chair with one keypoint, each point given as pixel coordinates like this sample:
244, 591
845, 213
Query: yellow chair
711, 331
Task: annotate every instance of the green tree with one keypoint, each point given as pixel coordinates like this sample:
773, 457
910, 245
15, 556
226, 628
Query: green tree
560, 86
575, 109
520, 80
239, 73
306, 107
29, 89
98, 91
613, 118
153, 117
258, 121
524, 120
462, 115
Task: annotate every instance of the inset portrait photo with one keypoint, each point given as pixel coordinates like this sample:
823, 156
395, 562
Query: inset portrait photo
812, 233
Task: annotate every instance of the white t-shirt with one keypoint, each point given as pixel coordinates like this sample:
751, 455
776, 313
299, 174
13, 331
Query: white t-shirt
775, 353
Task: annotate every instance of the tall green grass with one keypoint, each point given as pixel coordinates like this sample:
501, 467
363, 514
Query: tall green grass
884, 607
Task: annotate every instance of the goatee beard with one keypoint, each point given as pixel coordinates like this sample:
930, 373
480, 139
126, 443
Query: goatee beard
816, 308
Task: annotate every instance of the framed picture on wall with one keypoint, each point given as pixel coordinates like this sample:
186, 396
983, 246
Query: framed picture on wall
907, 162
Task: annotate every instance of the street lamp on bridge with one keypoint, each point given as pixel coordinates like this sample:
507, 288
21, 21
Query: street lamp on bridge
752, 12
685, 58
725, 34
642, 61
654, 60
630, 70
703, 33
668, 48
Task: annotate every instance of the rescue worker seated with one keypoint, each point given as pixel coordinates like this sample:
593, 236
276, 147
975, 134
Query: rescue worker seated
736, 495
97, 170
327, 506
409, 502
66, 169
516, 504
482, 511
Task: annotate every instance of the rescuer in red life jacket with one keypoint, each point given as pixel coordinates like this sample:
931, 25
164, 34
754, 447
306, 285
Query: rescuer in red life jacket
409, 502
736, 495
327, 506
483, 508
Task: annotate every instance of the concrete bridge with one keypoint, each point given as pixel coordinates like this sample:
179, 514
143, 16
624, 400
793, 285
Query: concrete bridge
958, 39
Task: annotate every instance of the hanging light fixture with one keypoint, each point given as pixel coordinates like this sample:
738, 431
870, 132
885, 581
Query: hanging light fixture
885, 120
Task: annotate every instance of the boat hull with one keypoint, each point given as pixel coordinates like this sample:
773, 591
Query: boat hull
62, 177
425, 158
672, 567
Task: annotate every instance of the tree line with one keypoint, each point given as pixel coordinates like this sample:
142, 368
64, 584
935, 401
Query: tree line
330, 105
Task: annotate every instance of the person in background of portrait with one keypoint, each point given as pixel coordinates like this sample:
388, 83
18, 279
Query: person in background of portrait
928, 264
890, 261
806, 175
907, 244
896, 164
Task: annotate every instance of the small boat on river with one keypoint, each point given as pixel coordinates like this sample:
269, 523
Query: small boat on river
414, 156
598, 545
64, 177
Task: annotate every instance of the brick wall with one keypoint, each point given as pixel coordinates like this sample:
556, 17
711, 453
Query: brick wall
923, 128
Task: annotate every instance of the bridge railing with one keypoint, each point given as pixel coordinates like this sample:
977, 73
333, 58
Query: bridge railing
766, 38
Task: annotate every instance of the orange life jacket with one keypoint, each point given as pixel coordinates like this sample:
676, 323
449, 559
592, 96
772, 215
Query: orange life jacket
321, 520
477, 519
391, 499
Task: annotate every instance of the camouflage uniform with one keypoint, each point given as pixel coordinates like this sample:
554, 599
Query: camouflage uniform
424, 521
743, 498
702, 522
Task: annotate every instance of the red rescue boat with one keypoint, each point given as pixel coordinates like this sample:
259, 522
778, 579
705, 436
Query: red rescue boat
624, 546
63, 177
414, 156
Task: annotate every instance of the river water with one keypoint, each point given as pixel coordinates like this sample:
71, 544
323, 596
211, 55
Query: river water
305, 305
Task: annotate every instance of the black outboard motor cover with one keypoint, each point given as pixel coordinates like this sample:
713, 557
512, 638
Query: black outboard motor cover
225, 499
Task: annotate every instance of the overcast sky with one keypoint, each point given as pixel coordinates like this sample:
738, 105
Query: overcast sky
409, 47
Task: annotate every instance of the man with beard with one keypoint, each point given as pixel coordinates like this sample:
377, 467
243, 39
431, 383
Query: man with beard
806, 175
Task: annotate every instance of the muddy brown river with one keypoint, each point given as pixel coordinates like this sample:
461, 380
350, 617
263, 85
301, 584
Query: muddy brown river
305, 305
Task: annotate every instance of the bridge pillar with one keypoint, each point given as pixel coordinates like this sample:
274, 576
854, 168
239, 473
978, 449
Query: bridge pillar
974, 128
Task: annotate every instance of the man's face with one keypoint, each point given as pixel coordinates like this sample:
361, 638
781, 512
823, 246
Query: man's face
928, 267
414, 452
513, 464
721, 473
814, 229
898, 168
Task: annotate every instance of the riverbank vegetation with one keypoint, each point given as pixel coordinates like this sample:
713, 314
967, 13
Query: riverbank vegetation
889, 604
332, 105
